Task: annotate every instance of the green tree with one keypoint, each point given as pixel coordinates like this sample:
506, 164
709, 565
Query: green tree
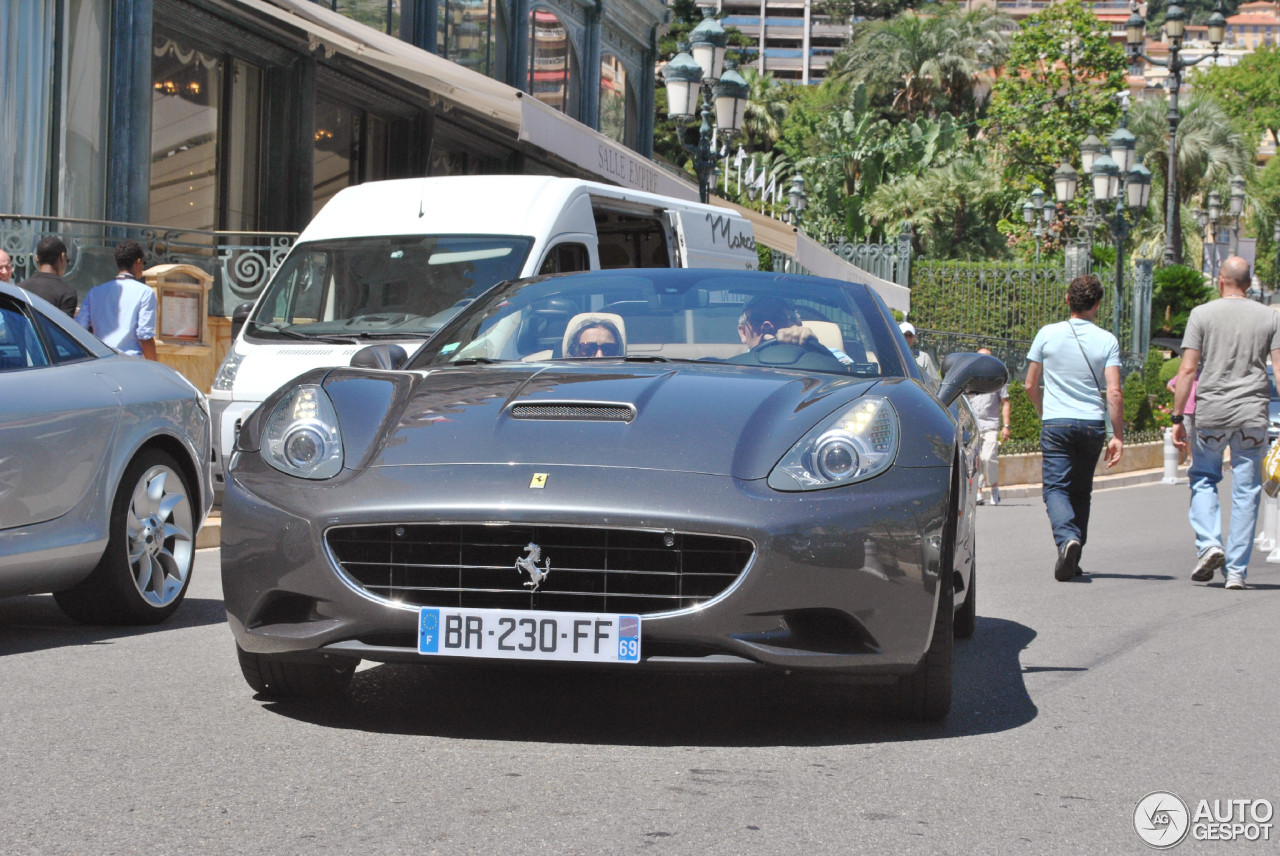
768, 102
953, 207
1177, 290
1248, 91
924, 64
845, 10
1265, 191
1059, 84
1210, 150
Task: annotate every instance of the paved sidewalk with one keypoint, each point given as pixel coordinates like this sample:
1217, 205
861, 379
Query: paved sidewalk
1100, 482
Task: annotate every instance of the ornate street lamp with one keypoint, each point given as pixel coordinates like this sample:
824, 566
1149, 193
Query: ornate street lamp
1175, 21
1118, 179
697, 77
797, 200
1215, 217
1039, 213
1275, 273
1237, 210
1202, 221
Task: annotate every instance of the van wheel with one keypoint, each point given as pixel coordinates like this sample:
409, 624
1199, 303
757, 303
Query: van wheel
145, 570
280, 677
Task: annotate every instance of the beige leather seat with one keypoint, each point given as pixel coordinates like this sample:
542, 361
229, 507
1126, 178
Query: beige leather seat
583, 319
828, 333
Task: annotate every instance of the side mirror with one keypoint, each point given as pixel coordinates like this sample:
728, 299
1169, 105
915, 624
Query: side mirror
239, 315
384, 356
970, 374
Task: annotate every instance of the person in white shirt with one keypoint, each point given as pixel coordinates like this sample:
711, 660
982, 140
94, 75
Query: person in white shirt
122, 311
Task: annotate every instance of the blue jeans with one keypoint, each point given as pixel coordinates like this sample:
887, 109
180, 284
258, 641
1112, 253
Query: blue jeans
1069, 450
1248, 446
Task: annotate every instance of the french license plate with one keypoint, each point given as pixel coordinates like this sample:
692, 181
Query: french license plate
513, 634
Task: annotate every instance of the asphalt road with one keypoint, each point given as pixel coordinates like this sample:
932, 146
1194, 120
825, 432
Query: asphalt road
1073, 701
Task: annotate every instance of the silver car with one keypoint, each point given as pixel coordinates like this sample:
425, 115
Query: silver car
104, 470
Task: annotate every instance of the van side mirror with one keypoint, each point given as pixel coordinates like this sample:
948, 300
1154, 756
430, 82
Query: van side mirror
239, 315
383, 356
970, 374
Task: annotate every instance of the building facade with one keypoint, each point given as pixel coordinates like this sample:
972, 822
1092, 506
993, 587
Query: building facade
245, 116
794, 40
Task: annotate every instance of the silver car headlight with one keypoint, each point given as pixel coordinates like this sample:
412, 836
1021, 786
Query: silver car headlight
302, 437
853, 445
225, 379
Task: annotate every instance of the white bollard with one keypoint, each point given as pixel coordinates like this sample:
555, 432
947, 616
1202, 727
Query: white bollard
1170, 458
1270, 515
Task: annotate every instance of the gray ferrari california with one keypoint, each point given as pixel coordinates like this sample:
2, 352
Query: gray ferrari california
621, 469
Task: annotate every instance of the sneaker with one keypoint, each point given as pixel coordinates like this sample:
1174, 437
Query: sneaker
980, 500
1235, 581
995, 496
1210, 560
1068, 561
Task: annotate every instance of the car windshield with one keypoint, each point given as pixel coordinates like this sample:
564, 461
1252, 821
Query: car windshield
668, 315
397, 287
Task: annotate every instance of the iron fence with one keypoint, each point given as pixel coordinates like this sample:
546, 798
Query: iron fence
890, 260
240, 262
968, 305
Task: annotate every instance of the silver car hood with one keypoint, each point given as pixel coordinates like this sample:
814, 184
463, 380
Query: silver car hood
714, 419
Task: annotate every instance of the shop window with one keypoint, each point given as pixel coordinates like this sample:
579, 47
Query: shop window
382, 15
351, 146
617, 105
553, 75
206, 113
472, 34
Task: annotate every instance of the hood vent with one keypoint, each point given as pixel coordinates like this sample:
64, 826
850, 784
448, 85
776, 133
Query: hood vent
576, 412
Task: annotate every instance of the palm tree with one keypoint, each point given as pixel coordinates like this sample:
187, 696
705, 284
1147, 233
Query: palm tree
925, 64
767, 107
953, 207
1209, 151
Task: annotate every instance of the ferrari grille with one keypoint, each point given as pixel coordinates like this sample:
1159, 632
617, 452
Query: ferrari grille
591, 570
581, 412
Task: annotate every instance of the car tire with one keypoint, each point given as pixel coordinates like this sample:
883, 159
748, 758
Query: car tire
279, 677
145, 570
966, 619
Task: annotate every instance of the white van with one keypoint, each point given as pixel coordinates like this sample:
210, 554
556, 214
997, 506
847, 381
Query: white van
391, 261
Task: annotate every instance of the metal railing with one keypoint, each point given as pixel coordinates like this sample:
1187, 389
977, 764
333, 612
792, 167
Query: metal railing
240, 262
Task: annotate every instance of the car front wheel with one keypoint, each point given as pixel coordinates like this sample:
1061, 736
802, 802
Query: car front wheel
145, 570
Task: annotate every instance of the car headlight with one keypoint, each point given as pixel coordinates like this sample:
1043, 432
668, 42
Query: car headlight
302, 437
853, 445
225, 379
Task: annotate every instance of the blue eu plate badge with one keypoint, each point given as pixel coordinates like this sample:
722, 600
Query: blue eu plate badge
429, 631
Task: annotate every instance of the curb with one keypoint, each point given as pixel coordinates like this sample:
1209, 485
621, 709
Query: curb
1101, 482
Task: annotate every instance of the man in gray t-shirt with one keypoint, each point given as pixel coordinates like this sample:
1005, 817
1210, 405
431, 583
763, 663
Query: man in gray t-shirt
1228, 340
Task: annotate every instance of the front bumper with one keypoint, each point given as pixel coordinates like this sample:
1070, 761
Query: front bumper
841, 582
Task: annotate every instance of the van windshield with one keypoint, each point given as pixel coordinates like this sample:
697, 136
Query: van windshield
382, 287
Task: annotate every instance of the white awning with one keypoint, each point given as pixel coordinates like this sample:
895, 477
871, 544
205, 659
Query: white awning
822, 262
554, 132
443, 79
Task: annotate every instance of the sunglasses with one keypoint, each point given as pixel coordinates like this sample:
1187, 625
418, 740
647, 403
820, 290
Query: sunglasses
606, 349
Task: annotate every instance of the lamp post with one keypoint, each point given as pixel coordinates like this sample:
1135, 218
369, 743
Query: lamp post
1237, 210
1039, 213
1275, 273
697, 77
1175, 21
797, 200
1202, 222
1215, 217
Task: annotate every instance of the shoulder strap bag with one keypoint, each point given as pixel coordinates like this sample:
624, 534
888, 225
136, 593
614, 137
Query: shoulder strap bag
1102, 391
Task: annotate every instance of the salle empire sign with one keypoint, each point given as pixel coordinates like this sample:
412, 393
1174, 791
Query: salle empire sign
629, 170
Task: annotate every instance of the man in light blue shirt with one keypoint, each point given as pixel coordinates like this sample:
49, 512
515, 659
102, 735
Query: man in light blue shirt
122, 311
1080, 366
